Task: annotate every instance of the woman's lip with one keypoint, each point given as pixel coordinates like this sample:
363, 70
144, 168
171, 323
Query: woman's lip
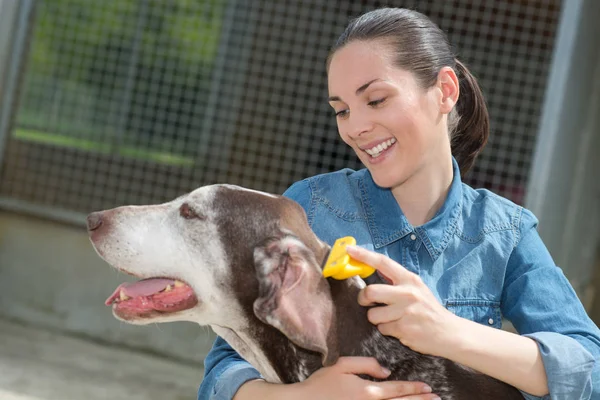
381, 157
370, 145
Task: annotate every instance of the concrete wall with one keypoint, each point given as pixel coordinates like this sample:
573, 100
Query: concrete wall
51, 276
564, 190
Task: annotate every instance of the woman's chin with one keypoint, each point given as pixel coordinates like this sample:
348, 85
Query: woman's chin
386, 169
387, 179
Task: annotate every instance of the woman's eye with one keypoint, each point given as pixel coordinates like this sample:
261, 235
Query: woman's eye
188, 212
341, 113
377, 102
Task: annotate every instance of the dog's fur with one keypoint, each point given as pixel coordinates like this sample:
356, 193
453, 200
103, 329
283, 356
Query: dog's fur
255, 267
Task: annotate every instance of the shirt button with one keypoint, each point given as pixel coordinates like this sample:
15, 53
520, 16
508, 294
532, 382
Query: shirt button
413, 237
491, 321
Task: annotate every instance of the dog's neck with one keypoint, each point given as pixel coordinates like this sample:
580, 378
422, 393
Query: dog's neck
352, 324
356, 335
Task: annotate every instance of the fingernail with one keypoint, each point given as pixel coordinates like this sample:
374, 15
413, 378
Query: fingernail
427, 389
386, 371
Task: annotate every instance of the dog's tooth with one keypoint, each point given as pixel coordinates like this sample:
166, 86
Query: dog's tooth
179, 284
123, 296
168, 288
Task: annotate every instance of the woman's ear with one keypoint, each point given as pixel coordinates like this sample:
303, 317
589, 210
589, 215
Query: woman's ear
448, 84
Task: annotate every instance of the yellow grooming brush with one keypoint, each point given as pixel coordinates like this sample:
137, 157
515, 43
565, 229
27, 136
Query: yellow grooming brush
340, 265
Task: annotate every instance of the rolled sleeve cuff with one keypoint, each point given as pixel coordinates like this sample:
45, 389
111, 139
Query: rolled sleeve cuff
568, 367
232, 379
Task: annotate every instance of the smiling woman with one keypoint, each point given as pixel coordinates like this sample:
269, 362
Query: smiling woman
417, 119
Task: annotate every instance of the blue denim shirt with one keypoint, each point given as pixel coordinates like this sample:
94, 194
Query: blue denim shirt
480, 255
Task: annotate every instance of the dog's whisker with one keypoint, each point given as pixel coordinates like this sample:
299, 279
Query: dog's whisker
157, 325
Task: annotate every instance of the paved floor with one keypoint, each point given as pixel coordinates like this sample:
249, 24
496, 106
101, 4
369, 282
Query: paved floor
41, 365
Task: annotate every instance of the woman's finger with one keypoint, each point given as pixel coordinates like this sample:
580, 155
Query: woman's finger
389, 294
394, 328
378, 294
361, 365
430, 396
388, 267
385, 314
398, 389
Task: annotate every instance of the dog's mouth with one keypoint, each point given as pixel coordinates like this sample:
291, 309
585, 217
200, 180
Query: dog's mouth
149, 297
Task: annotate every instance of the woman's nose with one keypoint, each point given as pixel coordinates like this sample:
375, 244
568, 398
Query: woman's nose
359, 125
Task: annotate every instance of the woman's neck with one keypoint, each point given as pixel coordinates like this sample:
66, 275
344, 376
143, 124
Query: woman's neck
423, 194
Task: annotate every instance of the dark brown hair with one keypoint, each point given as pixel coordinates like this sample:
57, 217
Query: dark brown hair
422, 48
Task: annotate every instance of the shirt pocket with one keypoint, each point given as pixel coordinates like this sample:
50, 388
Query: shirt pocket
485, 312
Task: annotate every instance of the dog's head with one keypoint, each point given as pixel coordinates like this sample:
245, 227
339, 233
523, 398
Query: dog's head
220, 255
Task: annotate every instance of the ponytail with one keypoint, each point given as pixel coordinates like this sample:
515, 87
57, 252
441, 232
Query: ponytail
472, 129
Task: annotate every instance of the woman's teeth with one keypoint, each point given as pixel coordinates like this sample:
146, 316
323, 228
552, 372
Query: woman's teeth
377, 150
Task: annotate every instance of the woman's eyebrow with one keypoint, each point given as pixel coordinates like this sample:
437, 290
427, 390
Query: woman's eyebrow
365, 86
358, 91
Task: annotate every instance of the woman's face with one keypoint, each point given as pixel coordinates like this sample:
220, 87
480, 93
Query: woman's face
395, 127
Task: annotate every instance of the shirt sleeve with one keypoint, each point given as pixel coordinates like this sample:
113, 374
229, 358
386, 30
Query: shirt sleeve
225, 371
542, 305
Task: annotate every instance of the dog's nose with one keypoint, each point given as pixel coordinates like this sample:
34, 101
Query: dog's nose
94, 221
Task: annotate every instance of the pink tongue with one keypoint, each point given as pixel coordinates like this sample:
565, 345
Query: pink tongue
144, 287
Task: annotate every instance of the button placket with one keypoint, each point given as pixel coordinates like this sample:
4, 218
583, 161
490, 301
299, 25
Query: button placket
411, 258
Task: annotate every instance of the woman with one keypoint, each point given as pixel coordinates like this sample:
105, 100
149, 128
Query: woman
458, 259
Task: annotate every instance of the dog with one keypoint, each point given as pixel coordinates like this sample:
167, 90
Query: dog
247, 264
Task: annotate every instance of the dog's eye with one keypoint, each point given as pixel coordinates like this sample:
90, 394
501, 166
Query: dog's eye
188, 212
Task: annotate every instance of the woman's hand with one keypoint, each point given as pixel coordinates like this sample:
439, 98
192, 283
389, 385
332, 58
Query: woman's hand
340, 381
409, 312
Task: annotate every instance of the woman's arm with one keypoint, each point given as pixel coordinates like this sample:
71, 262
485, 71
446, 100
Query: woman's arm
559, 343
224, 372
410, 312
542, 305
505, 356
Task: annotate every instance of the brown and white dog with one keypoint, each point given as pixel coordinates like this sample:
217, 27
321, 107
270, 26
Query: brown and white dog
247, 264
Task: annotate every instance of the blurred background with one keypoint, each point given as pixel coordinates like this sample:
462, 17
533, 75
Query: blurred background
106, 103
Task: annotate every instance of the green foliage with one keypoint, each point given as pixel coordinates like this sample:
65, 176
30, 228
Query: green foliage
187, 31
118, 65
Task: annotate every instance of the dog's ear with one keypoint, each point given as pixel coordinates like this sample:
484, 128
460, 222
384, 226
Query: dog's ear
294, 297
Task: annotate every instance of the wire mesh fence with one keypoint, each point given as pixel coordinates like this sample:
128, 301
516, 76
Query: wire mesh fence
139, 101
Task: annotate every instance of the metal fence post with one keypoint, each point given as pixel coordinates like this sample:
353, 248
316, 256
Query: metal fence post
14, 26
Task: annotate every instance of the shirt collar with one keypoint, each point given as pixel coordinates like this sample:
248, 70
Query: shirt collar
387, 223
